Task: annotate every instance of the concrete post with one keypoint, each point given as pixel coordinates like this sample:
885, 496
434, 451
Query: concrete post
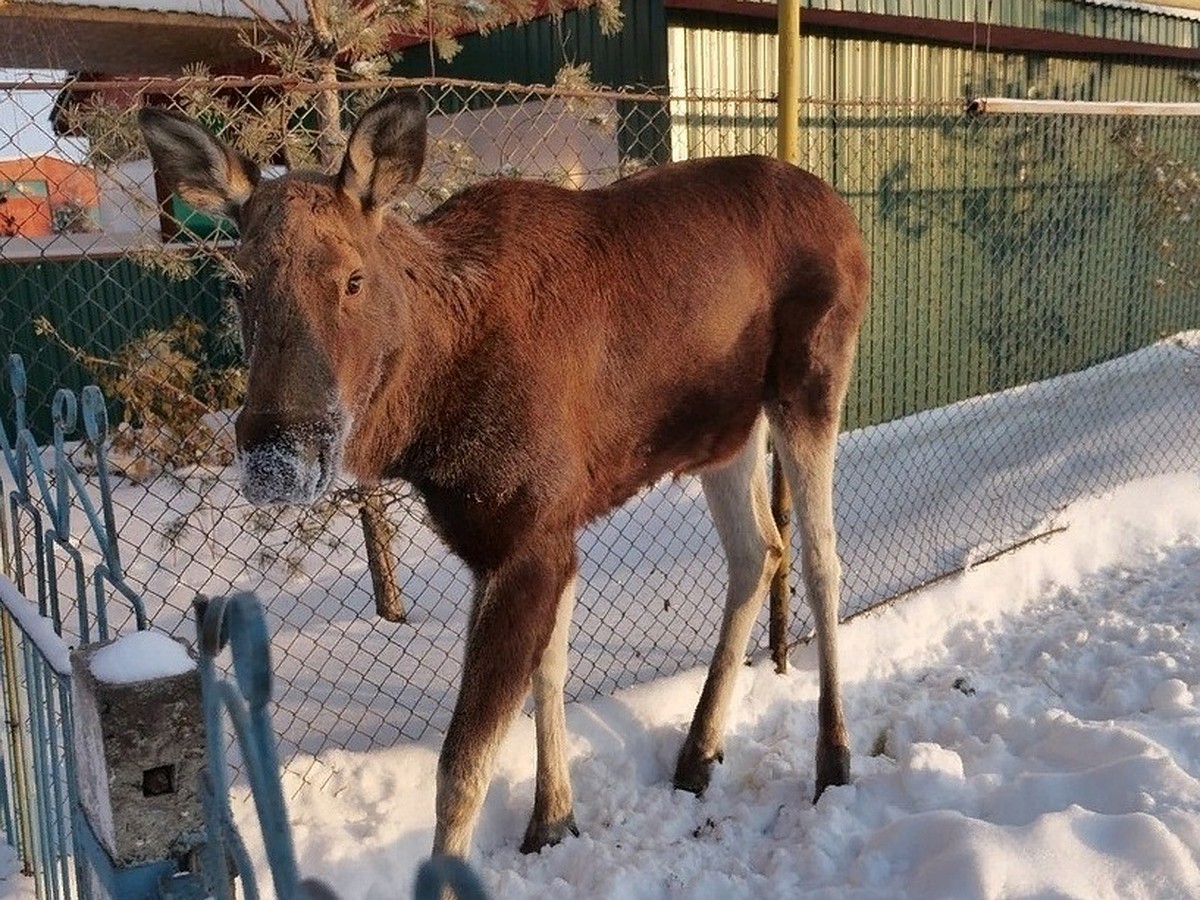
139, 750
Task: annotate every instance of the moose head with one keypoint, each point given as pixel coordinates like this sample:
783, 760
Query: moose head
319, 311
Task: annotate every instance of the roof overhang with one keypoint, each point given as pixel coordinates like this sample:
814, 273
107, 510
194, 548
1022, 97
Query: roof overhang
945, 31
150, 37
118, 39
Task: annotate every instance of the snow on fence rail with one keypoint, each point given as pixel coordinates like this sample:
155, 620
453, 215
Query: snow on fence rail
1008, 250
45, 563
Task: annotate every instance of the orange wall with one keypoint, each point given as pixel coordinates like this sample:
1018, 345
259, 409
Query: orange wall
66, 182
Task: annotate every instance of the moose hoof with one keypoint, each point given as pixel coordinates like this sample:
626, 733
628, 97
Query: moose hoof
693, 769
547, 834
833, 767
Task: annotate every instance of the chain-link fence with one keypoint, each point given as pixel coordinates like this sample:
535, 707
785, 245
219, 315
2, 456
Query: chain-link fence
1006, 250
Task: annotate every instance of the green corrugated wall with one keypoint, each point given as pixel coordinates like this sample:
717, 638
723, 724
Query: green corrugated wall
1004, 249
98, 305
739, 58
533, 53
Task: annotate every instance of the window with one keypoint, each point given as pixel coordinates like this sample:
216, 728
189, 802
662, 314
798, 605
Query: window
31, 188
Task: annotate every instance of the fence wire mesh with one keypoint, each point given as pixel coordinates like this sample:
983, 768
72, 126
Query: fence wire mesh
1007, 251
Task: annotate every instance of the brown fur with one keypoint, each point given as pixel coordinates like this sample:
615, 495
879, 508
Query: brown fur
577, 346
529, 357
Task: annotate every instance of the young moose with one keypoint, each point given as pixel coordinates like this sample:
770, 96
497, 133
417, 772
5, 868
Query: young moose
528, 358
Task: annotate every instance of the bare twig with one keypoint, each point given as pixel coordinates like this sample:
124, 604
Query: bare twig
291, 17
262, 19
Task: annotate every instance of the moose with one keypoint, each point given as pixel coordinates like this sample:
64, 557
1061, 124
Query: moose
528, 357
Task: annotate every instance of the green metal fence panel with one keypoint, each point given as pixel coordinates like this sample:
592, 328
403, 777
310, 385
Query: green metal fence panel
533, 52
97, 305
1006, 250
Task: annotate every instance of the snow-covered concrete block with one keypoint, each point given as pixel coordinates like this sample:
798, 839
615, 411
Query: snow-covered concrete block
139, 745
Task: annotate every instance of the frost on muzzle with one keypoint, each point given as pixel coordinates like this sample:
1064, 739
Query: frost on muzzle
293, 466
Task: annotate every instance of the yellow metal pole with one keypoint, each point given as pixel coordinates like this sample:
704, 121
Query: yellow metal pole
21, 802
788, 126
788, 121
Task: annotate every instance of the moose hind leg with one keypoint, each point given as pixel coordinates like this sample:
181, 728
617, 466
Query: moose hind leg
511, 623
806, 448
553, 809
738, 499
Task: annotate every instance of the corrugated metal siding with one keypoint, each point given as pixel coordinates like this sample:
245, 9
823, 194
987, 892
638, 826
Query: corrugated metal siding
715, 63
533, 53
1067, 16
98, 305
1004, 250
712, 61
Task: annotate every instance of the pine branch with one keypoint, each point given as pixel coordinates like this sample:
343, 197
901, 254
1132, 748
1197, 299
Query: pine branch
43, 327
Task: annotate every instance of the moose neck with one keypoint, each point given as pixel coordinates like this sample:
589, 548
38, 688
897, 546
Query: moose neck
432, 312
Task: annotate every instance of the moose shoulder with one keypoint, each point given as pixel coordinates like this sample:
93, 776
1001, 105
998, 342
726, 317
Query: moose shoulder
529, 357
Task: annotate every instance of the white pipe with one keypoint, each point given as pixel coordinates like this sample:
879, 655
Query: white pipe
1081, 107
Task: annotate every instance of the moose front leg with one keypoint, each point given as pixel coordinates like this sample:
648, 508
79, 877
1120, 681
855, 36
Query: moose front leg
512, 620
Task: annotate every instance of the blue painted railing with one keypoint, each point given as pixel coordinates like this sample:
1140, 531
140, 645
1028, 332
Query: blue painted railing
38, 782
42, 535
238, 622
38, 776
33, 496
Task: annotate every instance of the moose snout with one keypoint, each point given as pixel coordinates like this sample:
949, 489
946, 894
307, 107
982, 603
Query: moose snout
292, 465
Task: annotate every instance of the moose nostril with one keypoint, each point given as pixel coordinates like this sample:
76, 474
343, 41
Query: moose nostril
269, 475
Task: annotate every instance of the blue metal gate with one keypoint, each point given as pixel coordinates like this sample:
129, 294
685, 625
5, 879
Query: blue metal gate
52, 599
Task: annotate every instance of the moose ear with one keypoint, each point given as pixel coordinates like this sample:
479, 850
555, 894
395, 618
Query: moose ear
209, 175
386, 150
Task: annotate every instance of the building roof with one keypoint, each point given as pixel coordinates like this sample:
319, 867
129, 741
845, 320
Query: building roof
140, 37
14, 157
1181, 10
86, 35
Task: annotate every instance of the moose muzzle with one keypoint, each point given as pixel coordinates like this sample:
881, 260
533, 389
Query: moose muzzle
292, 466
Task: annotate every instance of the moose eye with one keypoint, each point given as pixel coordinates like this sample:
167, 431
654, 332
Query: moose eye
354, 284
236, 290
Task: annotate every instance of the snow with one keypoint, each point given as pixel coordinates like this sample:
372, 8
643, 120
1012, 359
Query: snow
38, 628
1026, 728
141, 656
